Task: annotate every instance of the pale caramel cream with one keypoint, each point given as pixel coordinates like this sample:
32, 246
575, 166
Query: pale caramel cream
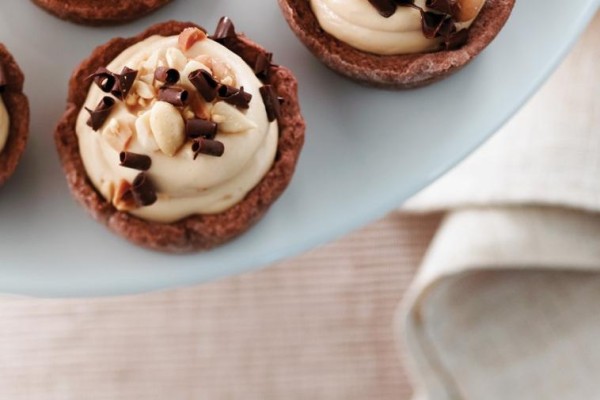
359, 24
4, 124
184, 186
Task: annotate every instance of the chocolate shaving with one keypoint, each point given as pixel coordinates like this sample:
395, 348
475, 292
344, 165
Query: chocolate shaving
386, 8
123, 83
272, 102
456, 40
208, 147
432, 23
3, 78
204, 82
437, 24
446, 28
225, 29
450, 7
262, 64
169, 76
173, 95
234, 96
200, 128
104, 79
118, 85
140, 162
101, 113
258, 59
143, 190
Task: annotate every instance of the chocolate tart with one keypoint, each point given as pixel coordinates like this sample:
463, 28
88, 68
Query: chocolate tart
100, 12
18, 111
396, 71
197, 232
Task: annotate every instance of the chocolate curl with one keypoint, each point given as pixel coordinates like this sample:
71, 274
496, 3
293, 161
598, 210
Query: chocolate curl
456, 40
140, 162
225, 29
169, 76
432, 23
118, 85
259, 60
200, 128
450, 7
204, 82
124, 82
173, 95
386, 8
235, 97
104, 79
272, 102
101, 113
262, 64
447, 28
143, 190
441, 23
208, 147
3, 78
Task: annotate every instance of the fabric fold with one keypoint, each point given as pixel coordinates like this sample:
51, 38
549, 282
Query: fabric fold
505, 315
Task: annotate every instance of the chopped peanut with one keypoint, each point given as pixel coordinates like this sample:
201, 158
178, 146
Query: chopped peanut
469, 9
122, 199
189, 36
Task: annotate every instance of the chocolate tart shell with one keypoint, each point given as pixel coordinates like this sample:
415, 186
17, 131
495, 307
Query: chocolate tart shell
18, 111
197, 232
396, 71
100, 12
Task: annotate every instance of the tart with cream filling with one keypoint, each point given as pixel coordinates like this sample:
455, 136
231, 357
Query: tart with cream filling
100, 12
178, 140
396, 44
14, 115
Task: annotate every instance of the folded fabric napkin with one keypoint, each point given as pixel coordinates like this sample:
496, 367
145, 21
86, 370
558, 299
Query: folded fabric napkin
503, 305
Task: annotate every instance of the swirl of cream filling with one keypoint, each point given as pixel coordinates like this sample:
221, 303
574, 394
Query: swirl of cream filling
4, 124
185, 186
359, 24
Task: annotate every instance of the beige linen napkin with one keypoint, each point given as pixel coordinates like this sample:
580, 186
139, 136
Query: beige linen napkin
506, 303
500, 308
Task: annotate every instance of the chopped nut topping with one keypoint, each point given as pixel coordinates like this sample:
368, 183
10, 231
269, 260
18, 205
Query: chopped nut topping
168, 127
189, 37
117, 134
123, 198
